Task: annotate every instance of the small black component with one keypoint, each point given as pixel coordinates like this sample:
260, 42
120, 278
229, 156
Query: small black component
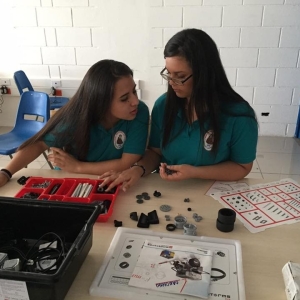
22, 180
189, 209
30, 195
153, 217
145, 194
139, 196
146, 197
224, 227
186, 200
156, 194
124, 265
54, 188
102, 190
143, 221
226, 216
106, 204
140, 201
170, 227
169, 172
220, 253
216, 278
118, 223
134, 216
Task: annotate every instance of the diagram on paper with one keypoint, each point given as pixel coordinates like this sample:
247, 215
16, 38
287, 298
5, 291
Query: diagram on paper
169, 268
264, 206
225, 276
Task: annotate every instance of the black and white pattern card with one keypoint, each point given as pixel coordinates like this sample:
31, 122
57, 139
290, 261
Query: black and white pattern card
264, 206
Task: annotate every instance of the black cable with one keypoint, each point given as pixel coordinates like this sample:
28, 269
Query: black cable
216, 278
46, 253
32, 260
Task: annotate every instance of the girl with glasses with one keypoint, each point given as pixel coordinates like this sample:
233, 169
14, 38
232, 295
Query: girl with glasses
104, 126
201, 128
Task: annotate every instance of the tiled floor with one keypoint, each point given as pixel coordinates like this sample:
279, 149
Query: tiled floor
277, 158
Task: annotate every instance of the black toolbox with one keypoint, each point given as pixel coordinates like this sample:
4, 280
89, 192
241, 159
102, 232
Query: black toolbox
26, 224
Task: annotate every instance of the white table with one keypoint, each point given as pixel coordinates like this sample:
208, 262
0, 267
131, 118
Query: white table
264, 254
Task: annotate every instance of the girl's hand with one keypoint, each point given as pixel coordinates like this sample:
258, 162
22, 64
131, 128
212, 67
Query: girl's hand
176, 172
127, 178
63, 160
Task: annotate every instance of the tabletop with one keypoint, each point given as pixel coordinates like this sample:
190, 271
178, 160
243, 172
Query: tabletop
264, 253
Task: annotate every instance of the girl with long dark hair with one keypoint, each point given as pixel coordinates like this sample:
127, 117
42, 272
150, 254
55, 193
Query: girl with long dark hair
201, 128
104, 126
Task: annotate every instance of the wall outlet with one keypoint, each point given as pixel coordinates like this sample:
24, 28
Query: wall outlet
4, 81
5, 90
56, 83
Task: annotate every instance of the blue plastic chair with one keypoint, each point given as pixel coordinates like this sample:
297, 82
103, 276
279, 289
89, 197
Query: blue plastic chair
33, 113
24, 84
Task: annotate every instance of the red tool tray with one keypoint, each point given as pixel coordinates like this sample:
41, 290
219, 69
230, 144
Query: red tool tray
43, 189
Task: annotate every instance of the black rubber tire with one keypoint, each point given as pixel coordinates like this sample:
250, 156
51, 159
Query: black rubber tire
226, 216
224, 227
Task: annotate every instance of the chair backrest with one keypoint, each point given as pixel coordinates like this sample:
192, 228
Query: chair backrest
22, 82
33, 113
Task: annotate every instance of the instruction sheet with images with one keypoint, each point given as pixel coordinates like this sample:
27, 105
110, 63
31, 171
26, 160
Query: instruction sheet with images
173, 269
225, 186
13, 290
265, 205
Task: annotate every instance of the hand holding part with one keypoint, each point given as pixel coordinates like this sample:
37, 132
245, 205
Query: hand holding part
63, 160
176, 172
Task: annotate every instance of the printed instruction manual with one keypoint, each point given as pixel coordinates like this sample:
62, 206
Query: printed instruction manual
173, 269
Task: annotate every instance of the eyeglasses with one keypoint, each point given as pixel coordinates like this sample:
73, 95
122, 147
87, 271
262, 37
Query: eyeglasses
175, 81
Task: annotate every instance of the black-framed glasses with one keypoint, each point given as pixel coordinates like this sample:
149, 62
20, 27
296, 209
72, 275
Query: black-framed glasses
175, 80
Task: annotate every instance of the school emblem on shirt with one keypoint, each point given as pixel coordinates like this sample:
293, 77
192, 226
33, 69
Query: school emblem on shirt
208, 140
119, 139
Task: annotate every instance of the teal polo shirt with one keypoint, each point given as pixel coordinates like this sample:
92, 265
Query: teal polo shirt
238, 139
124, 137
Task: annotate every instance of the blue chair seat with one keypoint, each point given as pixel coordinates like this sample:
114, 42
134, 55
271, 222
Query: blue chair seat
11, 141
32, 115
24, 84
58, 102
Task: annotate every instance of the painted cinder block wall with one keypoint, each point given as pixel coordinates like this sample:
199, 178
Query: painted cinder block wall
258, 40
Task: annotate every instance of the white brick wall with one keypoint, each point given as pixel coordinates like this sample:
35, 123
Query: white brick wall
73, 37
260, 37
290, 37
240, 15
282, 15
165, 17
202, 16
256, 77
239, 57
278, 57
273, 96
258, 41
296, 97
54, 17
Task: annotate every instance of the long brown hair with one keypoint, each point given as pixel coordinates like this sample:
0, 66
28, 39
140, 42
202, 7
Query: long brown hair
85, 109
211, 93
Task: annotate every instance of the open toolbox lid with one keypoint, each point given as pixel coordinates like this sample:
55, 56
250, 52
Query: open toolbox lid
30, 219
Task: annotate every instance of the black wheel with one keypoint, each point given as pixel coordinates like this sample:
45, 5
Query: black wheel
194, 262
